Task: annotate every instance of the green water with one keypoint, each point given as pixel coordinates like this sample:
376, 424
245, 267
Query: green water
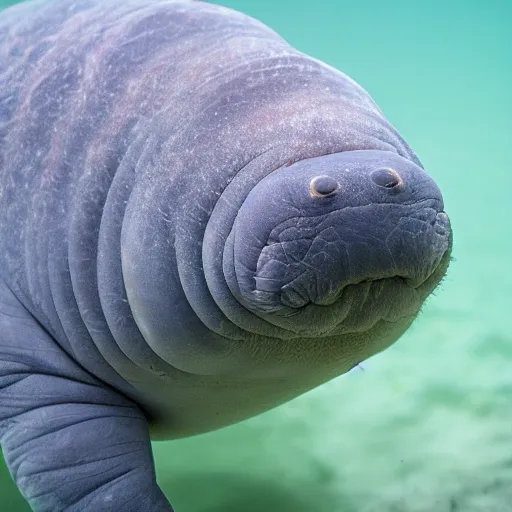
427, 426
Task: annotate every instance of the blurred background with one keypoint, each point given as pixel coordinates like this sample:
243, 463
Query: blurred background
427, 425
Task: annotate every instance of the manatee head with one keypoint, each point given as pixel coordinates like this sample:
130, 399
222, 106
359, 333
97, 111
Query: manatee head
365, 230
332, 256
285, 280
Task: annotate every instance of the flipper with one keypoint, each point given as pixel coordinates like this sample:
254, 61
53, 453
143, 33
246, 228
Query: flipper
70, 442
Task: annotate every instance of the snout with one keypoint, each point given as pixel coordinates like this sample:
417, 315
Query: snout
340, 220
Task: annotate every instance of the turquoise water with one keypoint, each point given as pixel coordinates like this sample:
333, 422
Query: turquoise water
427, 425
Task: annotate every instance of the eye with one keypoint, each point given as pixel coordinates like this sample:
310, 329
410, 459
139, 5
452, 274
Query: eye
323, 186
386, 178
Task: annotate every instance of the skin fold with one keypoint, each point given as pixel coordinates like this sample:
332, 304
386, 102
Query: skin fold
198, 223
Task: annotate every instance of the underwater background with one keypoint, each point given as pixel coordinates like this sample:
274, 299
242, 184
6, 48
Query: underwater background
425, 426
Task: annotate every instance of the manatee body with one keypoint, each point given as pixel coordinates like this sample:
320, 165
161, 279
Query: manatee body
197, 224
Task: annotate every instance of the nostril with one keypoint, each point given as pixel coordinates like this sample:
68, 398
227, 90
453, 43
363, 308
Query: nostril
323, 186
386, 178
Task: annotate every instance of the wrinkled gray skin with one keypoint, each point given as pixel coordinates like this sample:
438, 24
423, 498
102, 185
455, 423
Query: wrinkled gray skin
197, 224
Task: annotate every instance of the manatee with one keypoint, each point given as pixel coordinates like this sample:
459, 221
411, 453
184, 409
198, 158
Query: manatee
198, 223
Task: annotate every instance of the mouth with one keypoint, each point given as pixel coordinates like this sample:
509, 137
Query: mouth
289, 303
292, 273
